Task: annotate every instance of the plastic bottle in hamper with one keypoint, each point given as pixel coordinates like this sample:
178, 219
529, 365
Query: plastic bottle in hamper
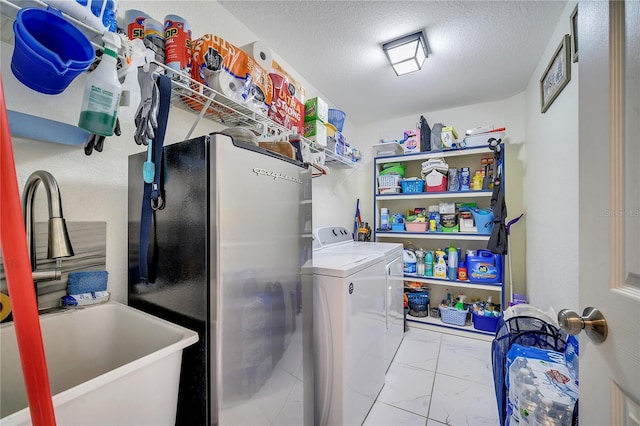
102, 92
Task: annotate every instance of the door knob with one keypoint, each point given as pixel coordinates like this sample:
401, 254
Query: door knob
592, 322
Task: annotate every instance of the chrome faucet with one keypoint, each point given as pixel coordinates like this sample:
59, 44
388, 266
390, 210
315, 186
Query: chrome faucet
58, 237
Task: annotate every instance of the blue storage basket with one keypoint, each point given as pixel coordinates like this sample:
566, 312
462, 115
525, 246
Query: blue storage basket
453, 316
418, 301
411, 186
485, 323
336, 117
397, 226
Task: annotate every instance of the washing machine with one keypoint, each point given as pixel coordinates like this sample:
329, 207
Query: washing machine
351, 322
339, 239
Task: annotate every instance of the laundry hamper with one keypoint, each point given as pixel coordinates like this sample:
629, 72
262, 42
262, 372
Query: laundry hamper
525, 331
418, 303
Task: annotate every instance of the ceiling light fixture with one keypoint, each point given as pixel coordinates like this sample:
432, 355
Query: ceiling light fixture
407, 54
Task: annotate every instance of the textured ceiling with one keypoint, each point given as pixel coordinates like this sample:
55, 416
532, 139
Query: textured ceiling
479, 50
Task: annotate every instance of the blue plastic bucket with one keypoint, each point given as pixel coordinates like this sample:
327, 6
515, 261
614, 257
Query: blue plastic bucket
49, 51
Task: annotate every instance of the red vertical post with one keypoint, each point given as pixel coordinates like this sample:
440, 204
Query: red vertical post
17, 266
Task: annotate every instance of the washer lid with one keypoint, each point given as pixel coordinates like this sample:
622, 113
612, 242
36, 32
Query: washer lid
342, 264
389, 250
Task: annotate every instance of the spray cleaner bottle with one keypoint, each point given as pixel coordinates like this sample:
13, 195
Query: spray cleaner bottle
440, 266
102, 93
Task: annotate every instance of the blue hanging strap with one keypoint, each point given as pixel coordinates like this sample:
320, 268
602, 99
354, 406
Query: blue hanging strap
153, 197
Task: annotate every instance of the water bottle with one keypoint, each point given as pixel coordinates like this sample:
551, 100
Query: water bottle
528, 403
384, 218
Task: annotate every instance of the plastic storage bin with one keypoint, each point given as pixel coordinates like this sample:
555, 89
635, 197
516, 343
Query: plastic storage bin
389, 190
481, 139
397, 226
416, 226
387, 181
438, 188
412, 186
484, 323
453, 316
393, 169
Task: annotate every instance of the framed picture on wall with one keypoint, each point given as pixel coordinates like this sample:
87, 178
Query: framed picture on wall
574, 34
557, 74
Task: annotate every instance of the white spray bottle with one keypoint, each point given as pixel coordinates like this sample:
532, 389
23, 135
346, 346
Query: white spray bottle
102, 93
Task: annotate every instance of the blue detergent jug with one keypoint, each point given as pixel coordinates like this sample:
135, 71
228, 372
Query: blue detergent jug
484, 267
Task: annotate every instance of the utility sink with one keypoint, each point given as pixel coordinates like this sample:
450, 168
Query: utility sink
108, 364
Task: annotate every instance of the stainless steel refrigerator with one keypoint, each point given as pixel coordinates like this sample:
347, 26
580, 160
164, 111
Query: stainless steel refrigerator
225, 258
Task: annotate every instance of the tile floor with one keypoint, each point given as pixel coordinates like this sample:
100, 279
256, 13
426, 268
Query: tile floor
437, 379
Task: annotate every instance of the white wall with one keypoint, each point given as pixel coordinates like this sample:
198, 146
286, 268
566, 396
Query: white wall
551, 186
509, 113
94, 188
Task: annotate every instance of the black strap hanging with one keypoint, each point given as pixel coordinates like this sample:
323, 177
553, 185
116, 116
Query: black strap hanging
153, 198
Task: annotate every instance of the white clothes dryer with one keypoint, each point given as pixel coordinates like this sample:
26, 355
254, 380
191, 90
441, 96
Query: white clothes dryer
338, 239
354, 292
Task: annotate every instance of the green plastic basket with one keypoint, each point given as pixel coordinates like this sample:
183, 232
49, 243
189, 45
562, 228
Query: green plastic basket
395, 170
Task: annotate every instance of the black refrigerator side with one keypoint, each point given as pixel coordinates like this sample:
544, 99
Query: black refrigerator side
177, 261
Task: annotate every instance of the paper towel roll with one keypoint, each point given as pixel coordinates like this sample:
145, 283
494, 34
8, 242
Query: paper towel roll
260, 52
230, 86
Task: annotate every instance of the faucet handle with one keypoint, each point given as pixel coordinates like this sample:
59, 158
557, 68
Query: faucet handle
46, 275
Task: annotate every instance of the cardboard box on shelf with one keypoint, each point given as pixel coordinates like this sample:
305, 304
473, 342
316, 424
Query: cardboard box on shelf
411, 141
448, 137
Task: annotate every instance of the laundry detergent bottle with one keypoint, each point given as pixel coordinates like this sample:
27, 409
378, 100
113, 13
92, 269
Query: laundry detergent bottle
102, 92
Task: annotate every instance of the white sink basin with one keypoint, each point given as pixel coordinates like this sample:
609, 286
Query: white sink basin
108, 364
